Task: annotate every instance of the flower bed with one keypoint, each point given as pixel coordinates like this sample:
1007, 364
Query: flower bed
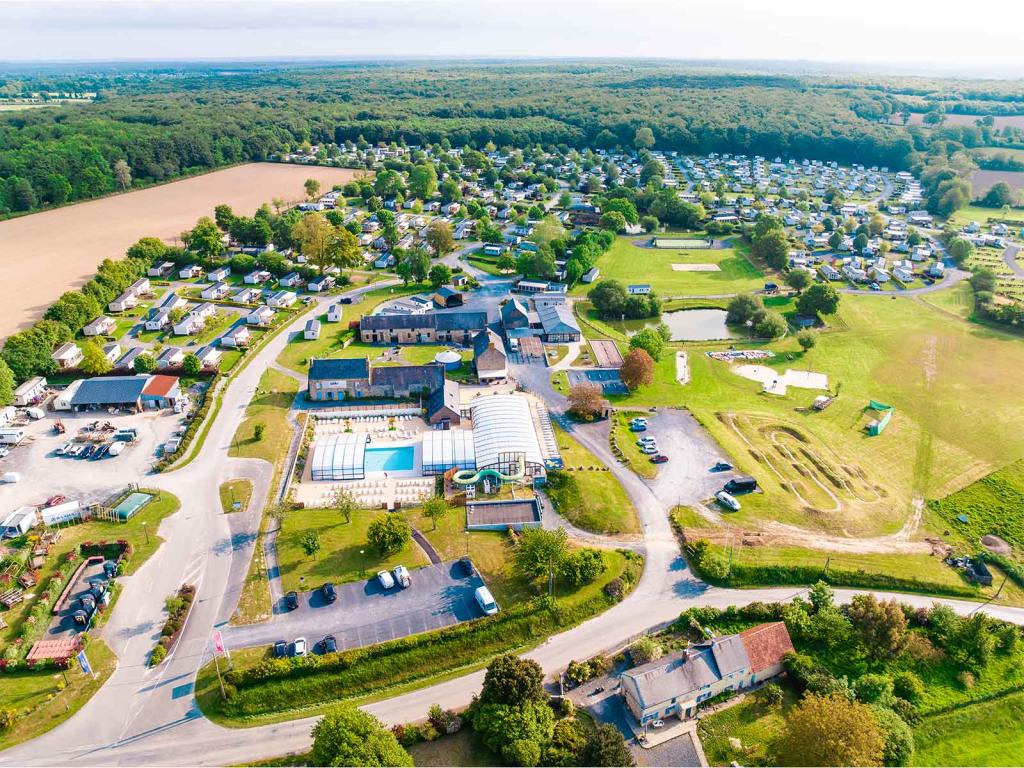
178, 608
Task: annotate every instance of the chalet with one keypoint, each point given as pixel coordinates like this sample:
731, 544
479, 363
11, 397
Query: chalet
427, 328
591, 275
679, 683
215, 292
112, 351
157, 319
161, 270
101, 326
194, 321
291, 280
334, 313
190, 271
171, 357
126, 361
260, 316
247, 295
256, 277
460, 280
938, 269
493, 249
282, 299
236, 337
312, 330
127, 300
489, 359
67, 355
218, 274
829, 272
30, 392
321, 283
209, 355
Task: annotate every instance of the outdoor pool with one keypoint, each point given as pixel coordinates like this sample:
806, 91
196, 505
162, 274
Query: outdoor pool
389, 459
697, 324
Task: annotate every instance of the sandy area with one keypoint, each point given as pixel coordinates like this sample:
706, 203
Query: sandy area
776, 384
45, 254
682, 368
696, 268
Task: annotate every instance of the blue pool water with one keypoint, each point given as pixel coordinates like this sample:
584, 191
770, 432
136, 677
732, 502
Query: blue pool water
389, 459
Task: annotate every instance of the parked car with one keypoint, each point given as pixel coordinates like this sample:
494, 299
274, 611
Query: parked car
649, 449
345, 300
66, 448
87, 452
329, 644
659, 458
385, 579
299, 647
641, 420
876, 287
648, 440
637, 427
329, 593
722, 466
466, 566
291, 600
728, 501
486, 601
280, 649
53, 501
402, 577
741, 484
101, 451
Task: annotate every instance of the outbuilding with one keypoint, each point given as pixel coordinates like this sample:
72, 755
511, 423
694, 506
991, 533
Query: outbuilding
19, 522
30, 392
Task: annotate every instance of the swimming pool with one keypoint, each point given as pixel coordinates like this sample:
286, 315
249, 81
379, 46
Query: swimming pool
389, 459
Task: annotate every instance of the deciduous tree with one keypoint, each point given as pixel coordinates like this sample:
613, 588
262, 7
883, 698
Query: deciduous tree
388, 533
349, 736
830, 731
637, 369
585, 400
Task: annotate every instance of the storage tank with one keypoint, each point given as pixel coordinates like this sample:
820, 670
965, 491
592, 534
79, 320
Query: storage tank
450, 359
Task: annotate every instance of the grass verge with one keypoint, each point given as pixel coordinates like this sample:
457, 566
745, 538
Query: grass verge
235, 492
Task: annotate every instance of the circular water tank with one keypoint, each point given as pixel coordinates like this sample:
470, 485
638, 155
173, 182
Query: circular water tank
450, 359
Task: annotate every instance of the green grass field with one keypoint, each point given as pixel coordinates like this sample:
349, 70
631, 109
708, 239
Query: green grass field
988, 733
269, 408
588, 495
345, 553
994, 504
629, 263
235, 491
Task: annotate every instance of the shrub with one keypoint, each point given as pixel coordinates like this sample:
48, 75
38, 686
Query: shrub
908, 686
158, 654
644, 650
615, 589
771, 695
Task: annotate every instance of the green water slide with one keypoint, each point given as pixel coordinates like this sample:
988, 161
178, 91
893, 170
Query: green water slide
469, 477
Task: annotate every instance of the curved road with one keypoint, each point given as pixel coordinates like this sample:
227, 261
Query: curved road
150, 717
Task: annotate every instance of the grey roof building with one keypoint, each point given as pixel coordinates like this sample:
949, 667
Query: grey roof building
110, 391
340, 368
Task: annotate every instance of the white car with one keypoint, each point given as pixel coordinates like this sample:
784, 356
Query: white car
650, 449
402, 576
386, 579
728, 500
299, 646
646, 441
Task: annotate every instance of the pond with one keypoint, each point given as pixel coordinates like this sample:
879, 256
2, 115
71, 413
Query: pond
697, 324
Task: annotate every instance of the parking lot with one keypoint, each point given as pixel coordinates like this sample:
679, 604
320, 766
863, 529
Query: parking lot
364, 614
63, 624
608, 378
44, 473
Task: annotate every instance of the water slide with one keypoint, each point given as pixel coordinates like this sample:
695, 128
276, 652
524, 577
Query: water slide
469, 477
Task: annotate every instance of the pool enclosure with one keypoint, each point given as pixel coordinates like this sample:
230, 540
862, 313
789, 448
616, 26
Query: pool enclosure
338, 457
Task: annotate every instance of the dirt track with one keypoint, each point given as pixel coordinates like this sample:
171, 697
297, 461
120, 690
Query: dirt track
45, 254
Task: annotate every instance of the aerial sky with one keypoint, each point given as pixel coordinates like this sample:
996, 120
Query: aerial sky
907, 35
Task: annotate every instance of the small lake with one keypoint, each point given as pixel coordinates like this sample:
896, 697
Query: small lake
697, 324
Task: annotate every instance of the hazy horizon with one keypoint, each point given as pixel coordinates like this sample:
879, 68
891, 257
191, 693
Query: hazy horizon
907, 38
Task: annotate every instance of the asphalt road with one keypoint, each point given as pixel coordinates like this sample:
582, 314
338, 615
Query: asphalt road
1010, 257
145, 716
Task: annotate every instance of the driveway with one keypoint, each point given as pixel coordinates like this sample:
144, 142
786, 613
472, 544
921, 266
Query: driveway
364, 614
1010, 257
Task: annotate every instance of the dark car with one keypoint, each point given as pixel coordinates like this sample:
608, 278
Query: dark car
345, 300
101, 451
659, 458
466, 566
329, 593
741, 484
722, 466
291, 600
88, 452
280, 649
329, 644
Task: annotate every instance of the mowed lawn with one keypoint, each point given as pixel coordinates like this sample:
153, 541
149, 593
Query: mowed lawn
587, 494
629, 263
988, 733
333, 336
955, 421
345, 553
269, 407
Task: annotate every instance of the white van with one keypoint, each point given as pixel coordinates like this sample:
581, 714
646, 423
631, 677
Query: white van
486, 601
728, 500
35, 413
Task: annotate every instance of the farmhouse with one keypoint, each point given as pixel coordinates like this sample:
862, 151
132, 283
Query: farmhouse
677, 684
428, 328
339, 379
489, 359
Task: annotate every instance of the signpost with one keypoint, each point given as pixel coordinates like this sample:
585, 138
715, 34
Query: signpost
83, 662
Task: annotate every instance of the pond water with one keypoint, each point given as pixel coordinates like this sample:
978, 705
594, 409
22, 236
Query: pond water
697, 324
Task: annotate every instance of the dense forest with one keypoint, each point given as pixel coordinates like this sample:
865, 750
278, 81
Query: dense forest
151, 126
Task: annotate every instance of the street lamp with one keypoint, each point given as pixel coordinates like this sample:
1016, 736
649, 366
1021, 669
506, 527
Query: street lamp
362, 563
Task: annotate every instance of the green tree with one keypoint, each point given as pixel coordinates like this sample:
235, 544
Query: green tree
882, 627
123, 174
623, 206
650, 341
769, 325
259, 431
798, 279
998, 195
310, 543
344, 502
388, 533
423, 181
439, 275
773, 248
388, 183
742, 308
7, 384
540, 551
312, 187
961, 249
613, 221
223, 216
830, 730
204, 238
440, 238
899, 738
516, 732
821, 596
349, 736
643, 138
513, 681
644, 650
649, 223
548, 230
807, 339
835, 240
191, 364
819, 299
93, 360
144, 363
606, 747
436, 508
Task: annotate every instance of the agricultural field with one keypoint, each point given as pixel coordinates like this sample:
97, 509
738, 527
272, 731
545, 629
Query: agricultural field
982, 181
628, 262
67, 244
1014, 154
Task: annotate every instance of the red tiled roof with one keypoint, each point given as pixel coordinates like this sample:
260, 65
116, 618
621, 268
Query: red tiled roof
766, 644
160, 385
64, 648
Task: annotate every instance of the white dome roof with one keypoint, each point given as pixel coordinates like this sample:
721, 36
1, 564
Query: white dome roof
447, 357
